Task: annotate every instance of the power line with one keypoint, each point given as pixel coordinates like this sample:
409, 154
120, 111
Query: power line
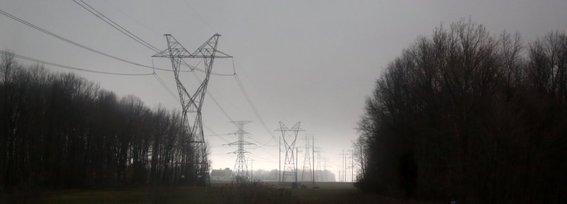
133, 36
194, 11
240, 85
263, 150
75, 43
115, 25
121, 29
74, 68
162, 83
170, 92
215, 134
144, 43
210, 95
222, 109
219, 106
126, 32
109, 73
111, 4
249, 100
139, 40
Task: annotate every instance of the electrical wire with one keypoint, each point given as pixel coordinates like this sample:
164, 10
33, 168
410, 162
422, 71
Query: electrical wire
210, 95
245, 93
254, 109
119, 28
133, 36
241, 86
15, 18
19, 20
162, 83
115, 25
169, 91
72, 67
219, 106
215, 134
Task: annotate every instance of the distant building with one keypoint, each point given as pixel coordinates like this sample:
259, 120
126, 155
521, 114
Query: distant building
221, 175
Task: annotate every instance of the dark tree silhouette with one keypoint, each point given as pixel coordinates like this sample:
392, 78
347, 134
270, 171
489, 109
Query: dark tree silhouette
60, 131
470, 116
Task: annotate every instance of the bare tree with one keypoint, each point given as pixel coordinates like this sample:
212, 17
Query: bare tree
59, 131
464, 114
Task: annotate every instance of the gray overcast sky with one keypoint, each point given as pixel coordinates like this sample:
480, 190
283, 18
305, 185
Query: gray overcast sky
309, 61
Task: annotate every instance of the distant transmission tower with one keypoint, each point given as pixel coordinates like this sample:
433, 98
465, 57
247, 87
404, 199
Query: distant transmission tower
191, 104
306, 159
240, 165
289, 137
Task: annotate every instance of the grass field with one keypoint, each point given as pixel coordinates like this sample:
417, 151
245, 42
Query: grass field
217, 193
123, 195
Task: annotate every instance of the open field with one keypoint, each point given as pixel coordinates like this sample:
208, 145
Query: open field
120, 195
217, 193
335, 192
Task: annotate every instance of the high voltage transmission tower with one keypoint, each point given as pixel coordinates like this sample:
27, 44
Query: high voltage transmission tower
240, 165
191, 104
309, 159
306, 158
289, 138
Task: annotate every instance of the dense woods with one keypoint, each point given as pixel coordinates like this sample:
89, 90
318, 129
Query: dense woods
472, 116
60, 131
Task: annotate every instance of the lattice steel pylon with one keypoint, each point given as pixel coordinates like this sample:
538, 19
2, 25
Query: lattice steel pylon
306, 159
191, 104
289, 137
240, 165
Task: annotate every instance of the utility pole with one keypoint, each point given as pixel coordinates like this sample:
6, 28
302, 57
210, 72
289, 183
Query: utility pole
319, 167
306, 158
289, 138
280, 160
296, 154
344, 166
240, 165
313, 154
325, 169
352, 166
191, 104
340, 175
252, 169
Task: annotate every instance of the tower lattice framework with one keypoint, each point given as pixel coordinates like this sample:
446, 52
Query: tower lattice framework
192, 103
240, 165
306, 159
289, 138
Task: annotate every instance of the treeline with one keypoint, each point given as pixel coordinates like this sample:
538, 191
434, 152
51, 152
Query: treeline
470, 116
272, 175
61, 131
